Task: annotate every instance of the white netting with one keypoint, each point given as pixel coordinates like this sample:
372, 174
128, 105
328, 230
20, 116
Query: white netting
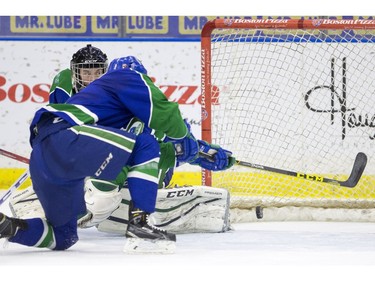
298, 100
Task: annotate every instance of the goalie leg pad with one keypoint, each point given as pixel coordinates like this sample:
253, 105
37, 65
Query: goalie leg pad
25, 204
192, 209
179, 210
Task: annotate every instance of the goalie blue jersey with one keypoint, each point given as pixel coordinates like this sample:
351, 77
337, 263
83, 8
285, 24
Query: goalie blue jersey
114, 99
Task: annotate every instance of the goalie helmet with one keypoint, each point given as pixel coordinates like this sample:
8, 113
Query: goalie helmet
87, 64
130, 62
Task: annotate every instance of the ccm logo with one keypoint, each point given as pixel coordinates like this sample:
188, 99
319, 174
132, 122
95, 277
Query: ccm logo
180, 193
104, 164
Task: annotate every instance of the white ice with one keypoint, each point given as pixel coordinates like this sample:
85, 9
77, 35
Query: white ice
252, 251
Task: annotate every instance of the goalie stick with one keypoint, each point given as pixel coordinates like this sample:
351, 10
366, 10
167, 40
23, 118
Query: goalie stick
14, 186
20, 180
355, 175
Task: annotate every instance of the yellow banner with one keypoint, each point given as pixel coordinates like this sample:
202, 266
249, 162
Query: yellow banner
48, 24
192, 25
107, 24
147, 25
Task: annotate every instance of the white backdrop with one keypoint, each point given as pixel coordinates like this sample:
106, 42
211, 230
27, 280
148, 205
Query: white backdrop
174, 65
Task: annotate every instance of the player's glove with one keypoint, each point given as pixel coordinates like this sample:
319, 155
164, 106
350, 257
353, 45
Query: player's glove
186, 148
213, 157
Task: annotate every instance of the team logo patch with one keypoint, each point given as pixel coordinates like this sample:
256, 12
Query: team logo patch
317, 22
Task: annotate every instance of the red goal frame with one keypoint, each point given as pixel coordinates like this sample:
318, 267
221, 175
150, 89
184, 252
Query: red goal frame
206, 85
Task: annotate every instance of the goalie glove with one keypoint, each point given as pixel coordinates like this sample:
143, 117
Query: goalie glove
102, 198
214, 158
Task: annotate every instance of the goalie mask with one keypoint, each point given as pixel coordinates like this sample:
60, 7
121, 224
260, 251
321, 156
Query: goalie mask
127, 62
87, 65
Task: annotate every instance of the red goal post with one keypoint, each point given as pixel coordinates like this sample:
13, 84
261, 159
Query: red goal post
295, 95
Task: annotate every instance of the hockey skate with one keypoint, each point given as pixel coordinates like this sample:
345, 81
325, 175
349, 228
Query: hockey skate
144, 238
9, 226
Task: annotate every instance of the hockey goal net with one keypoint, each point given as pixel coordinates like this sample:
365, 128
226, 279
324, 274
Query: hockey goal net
297, 95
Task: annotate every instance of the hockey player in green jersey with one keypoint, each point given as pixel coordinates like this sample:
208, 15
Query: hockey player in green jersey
86, 65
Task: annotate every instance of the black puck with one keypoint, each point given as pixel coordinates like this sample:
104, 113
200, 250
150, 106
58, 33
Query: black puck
259, 212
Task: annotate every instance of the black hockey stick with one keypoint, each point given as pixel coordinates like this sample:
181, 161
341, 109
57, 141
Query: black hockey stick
355, 175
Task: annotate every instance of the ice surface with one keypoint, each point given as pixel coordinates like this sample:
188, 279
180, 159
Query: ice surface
258, 250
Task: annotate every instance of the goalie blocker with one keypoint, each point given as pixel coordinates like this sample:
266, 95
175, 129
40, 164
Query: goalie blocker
189, 209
